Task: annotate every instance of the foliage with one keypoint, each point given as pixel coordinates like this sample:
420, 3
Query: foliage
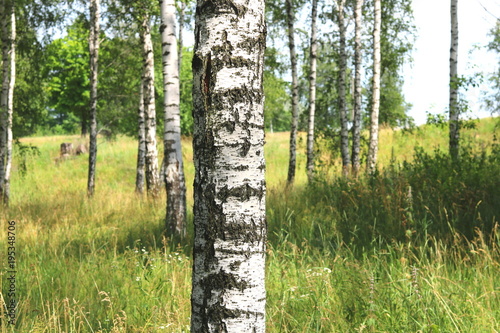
396, 42
67, 71
277, 109
24, 154
30, 101
186, 91
492, 101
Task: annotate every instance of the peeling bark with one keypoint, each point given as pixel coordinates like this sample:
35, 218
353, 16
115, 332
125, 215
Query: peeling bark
229, 190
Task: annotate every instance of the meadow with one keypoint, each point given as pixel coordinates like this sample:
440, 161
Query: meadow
414, 248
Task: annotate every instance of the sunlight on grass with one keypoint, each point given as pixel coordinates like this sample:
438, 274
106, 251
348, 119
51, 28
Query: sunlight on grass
103, 265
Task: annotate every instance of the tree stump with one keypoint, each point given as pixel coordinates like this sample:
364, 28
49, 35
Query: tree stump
66, 148
81, 149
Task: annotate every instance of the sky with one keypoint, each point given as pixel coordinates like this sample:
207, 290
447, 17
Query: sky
426, 78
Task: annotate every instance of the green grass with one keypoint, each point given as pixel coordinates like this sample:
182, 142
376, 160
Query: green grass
343, 255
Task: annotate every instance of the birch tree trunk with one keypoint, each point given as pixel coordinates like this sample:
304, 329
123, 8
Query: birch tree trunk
453, 107
182, 12
174, 171
295, 93
4, 97
151, 158
229, 190
141, 138
356, 122
344, 130
7, 98
94, 56
373, 144
312, 93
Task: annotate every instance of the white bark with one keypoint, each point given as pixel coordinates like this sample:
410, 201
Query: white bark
312, 92
174, 171
373, 144
356, 124
151, 159
141, 142
295, 93
7, 97
344, 130
94, 56
229, 211
182, 12
453, 107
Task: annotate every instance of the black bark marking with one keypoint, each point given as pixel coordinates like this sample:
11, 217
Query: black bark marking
245, 148
208, 73
217, 7
242, 193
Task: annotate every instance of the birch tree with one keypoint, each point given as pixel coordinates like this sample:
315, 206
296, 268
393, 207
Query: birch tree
344, 130
295, 92
148, 77
94, 56
373, 143
356, 121
229, 189
7, 96
182, 15
312, 92
454, 111
141, 149
174, 171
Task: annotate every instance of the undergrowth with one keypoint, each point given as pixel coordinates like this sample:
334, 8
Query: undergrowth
413, 248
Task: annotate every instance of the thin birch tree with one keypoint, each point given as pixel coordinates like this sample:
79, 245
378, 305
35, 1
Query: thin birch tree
454, 111
344, 128
374, 115
312, 92
290, 18
7, 96
148, 77
94, 57
356, 121
174, 171
228, 292
141, 143
180, 40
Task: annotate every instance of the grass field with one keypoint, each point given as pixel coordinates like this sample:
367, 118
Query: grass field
343, 255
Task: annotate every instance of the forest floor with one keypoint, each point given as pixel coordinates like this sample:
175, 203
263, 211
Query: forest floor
415, 248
